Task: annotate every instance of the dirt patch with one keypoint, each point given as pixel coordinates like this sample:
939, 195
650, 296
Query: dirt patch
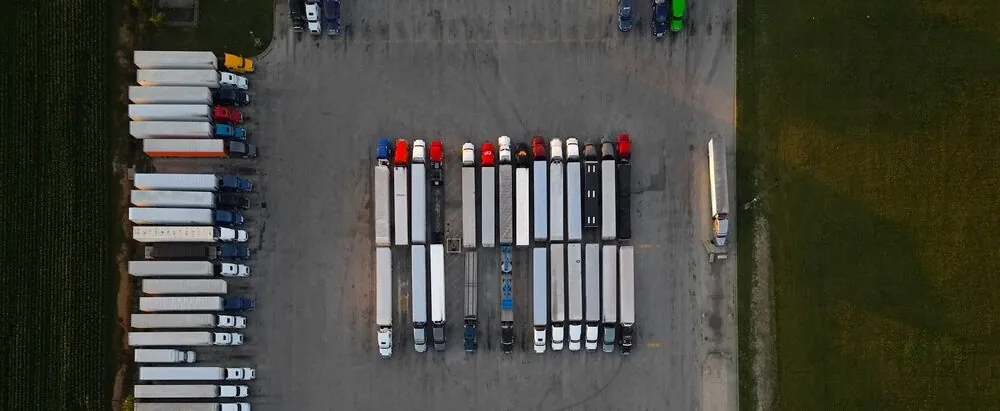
762, 317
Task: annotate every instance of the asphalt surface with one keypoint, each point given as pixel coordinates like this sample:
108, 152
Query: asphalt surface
469, 71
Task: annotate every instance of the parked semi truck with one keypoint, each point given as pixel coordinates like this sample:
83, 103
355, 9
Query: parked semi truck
186, 269
418, 194
191, 60
418, 282
163, 356
609, 302
436, 178
592, 293
557, 270
557, 211
505, 203
437, 296
539, 191
540, 300
192, 182
186, 234
626, 289
468, 196
609, 164
182, 338
184, 216
574, 213
196, 374
522, 198
170, 112
624, 187
190, 78
574, 280
720, 190
471, 299
143, 321
170, 95
187, 286
208, 147
196, 252
143, 391
192, 406
383, 300
383, 236
591, 188
487, 169
506, 299
400, 188
206, 304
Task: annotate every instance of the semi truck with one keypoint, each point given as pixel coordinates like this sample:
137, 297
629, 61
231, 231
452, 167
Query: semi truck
383, 236
190, 78
557, 220
383, 300
185, 286
182, 338
208, 147
196, 252
186, 269
192, 406
574, 217
207, 304
184, 216
522, 183
557, 303
170, 112
574, 280
187, 234
143, 391
437, 296
720, 190
506, 300
400, 188
170, 95
186, 199
592, 293
191, 60
591, 188
436, 178
624, 187
196, 373
539, 191
609, 304
418, 282
505, 203
468, 196
418, 194
626, 290
488, 202
163, 356
192, 182
471, 299
143, 321
540, 303
609, 229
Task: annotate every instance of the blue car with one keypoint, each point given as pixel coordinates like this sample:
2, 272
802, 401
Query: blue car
660, 15
625, 15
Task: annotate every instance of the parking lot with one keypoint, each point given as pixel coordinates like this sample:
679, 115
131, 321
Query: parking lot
463, 71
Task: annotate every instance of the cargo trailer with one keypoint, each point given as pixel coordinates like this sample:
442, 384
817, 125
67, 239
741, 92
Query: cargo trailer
719, 180
170, 112
190, 60
187, 234
574, 214
506, 299
207, 147
186, 269
592, 294
609, 229
182, 338
184, 286
163, 356
468, 196
194, 304
418, 194
381, 195
626, 293
192, 406
591, 188
488, 193
437, 296
574, 281
143, 321
170, 129
170, 95
383, 300
557, 289
188, 199
418, 282
400, 189
186, 78
540, 298
609, 302
190, 391
505, 197
192, 251
436, 208
184, 216
195, 374
540, 190
557, 211
192, 182
522, 198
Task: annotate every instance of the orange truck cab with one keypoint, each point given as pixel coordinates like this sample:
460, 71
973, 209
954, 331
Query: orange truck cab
237, 64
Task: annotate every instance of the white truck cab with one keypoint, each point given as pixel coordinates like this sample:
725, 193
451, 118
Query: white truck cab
227, 79
574, 337
234, 270
504, 143
239, 406
231, 321
234, 391
540, 340
591, 343
419, 151
385, 342
245, 374
572, 149
558, 337
312, 18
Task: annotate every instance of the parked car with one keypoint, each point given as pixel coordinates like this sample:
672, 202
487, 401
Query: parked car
625, 15
677, 10
312, 17
659, 18
331, 17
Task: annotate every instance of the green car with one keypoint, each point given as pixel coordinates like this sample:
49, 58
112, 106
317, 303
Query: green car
677, 8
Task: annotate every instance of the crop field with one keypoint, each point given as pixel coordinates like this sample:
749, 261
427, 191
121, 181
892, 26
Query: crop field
872, 131
57, 190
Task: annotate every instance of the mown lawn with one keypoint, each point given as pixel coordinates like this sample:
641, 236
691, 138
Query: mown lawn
880, 122
223, 26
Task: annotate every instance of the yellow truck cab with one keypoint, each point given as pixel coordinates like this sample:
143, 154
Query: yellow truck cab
238, 64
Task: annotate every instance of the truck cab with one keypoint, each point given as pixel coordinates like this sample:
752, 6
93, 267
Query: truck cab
385, 342
507, 338
231, 321
558, 336
232, 270
538, 148
625, 15
468, 155
677, 11
627, 339
227, 96
523, 160
234, 252
244, 374
659, 18
228, 132
237, 64
296, 13
331, 17
575, 329
540, 339
438, 333
238, 406
401, 155
237, 303
228, 218
234, 183
591, 337
504, 143
609, 338
382, 150
470, 337
572, 149
230, 201
222, 114
234, 391
488, 158
227, 339
227, 79
556, 149
242, 150
312, 17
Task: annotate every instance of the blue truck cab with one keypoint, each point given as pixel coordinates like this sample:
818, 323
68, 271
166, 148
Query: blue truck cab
237, 303
237, 184
234, 252
382, 150
228, 96
470, 337
232, 133
228, 218
660, 13
331, 17
625, 15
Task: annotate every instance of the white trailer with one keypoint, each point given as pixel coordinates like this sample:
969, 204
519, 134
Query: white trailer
184, 286
171, 216
186, 269
418, 282
540, 290
190, 60
557, 220
143, 321
187, 234
505, 203
609, 304
383, 300
418, 193
161, 304
182, 338
170, 129
195, 374
437, 296
190, 391
540, 195
719, 180
609, 210
192, 406
626, 290
468, 196
382, 223
174, 181
188, 199
163, 356
401, 204
557, 267
187, 78
574, 196
574, 280
170, 95
170, 112
592, 291
522, 184
488, 202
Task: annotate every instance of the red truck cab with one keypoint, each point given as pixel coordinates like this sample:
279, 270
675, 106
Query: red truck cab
222, 114
488, 156
436, 151
538, 148
401, 156
624, 146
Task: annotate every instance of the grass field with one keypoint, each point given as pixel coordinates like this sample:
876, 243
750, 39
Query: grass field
57, 190
880, 122
223, 26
